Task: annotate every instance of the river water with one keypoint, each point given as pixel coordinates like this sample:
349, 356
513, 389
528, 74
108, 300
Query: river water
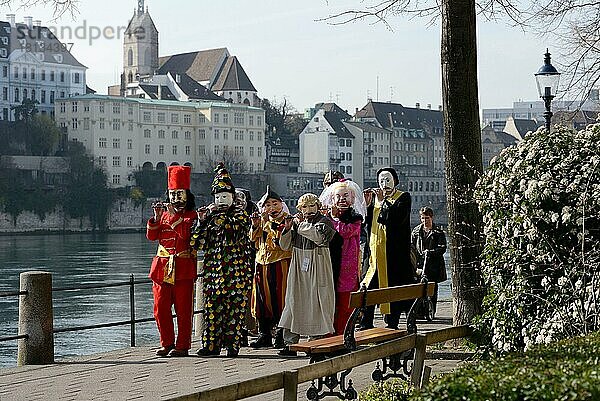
83, 259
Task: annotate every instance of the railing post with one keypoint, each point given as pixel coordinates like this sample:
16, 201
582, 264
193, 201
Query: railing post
36, 319
290, 385
419, 361
132, 308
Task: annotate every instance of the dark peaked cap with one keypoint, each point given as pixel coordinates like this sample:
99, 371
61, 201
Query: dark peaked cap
269, 195
222, 181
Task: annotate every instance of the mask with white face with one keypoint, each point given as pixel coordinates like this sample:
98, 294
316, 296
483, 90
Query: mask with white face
386, 181
223, 200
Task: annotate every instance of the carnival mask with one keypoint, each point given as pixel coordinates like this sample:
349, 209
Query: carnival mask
386, 181
343, 198
223, 200
240, 200
273, 207
178, 198
309, 205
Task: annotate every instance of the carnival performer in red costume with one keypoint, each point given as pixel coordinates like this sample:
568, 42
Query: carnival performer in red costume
173, 268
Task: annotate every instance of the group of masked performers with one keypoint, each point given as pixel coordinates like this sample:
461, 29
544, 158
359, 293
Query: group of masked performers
295, 273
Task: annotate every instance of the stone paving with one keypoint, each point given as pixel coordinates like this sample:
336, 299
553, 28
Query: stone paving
136, 373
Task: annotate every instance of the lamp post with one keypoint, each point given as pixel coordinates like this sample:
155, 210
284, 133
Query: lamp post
547, 83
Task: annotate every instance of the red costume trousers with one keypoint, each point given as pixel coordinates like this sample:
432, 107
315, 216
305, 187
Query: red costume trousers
180, 295
342, 311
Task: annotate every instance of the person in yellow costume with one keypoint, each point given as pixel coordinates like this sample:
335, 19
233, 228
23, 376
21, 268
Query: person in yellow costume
388, 227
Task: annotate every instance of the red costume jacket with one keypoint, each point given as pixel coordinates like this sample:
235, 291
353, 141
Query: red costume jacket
173, 234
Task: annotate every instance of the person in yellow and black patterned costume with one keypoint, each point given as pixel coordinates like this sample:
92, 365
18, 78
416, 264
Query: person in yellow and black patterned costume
222, 233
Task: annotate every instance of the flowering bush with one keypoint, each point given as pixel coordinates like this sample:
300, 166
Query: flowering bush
540, 202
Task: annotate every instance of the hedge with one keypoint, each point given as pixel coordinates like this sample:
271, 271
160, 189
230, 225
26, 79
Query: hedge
565, 370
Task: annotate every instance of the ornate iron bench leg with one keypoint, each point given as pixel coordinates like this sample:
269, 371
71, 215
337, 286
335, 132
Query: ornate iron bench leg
346, 392
397, 365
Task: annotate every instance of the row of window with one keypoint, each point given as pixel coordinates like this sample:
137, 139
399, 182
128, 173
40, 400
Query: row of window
22, 94
32, 74
415, 147
345, 142
238, 119
238, 135
427, 186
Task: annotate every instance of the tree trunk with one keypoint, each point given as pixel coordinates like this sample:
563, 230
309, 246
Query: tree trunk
463, 154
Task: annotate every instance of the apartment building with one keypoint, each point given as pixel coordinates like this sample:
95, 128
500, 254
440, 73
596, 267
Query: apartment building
127, 134
36, 65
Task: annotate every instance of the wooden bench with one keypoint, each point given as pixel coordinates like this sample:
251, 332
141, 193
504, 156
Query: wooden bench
359, 300
324, 348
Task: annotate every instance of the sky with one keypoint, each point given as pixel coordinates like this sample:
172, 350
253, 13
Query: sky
288, 53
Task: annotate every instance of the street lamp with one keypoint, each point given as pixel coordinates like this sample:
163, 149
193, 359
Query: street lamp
547, 83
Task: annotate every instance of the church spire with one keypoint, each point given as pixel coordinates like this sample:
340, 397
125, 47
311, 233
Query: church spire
140, 9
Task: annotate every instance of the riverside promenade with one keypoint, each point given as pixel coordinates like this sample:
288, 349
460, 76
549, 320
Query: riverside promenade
137, 374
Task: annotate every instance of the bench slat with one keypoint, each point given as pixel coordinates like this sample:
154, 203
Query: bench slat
391, 294
336, 343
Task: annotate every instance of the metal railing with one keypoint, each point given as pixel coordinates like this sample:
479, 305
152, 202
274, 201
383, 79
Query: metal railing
132, 318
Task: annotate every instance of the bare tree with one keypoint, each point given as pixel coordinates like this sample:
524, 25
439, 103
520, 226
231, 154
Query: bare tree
462, 133
60, 7
574, 25
236, 164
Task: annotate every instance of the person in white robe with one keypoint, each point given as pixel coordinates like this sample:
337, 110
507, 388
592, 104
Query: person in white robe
310, 297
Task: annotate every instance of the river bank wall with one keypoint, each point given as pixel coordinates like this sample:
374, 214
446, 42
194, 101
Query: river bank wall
123, 216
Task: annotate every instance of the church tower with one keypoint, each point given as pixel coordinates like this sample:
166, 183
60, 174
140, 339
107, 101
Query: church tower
140, 47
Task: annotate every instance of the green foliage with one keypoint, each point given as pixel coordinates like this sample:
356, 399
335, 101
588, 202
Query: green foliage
540, 202
389, 390
87, 192
137, 195
43, 136
152, 183
19, 193
26, 110
566, 370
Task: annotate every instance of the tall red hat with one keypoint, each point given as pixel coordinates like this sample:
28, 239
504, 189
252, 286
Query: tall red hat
179, 177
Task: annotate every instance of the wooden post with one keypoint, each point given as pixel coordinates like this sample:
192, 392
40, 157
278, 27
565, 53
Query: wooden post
419, 361
426, 375
36, 319
290, 385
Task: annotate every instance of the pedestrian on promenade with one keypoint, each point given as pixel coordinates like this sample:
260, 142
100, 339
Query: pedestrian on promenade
222, 234
271, 269
429, 242
346, 204
173, 269
310, 297
388, 226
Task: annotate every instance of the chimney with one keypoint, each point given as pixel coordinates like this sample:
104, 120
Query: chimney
418, 105
391, 120
37, 22
11, 19
429, 106
177, 78
159, 96
29, 21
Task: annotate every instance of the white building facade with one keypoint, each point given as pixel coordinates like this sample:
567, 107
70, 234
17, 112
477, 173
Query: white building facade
127, 134
35, 65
